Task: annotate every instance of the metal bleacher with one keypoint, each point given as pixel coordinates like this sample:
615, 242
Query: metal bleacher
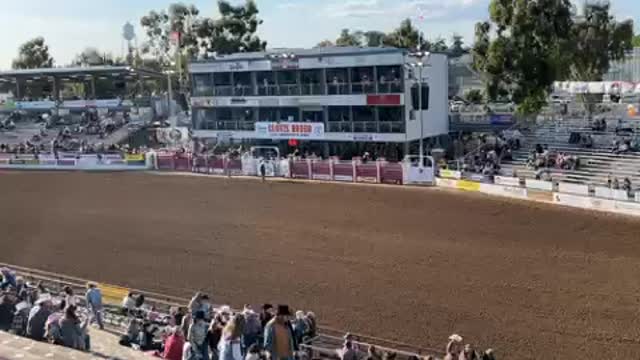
596, 163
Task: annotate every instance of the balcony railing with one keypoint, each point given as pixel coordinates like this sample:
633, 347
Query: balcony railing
390, 87
243, 90
340, 126
289, 90
338, 88
363, 88
367, 126
312, 89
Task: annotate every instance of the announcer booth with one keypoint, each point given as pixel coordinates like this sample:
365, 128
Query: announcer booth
77, 89
330, 101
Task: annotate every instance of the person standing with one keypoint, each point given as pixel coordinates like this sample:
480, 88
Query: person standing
94, 303
230, 346
279, 340
198, 335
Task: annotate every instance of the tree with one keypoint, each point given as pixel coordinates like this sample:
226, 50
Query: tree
93, 57
406, 36
348, 38
235, 31
596, 40
176, 25
457, 46
474, 96
636, 41
33, 54
325, 43
437, 46
516, 50
374, 38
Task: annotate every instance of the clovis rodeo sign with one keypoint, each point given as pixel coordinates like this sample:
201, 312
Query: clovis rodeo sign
290, 130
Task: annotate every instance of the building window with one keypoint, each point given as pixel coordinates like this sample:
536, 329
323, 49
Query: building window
338, 113
288, 83
268, 114
222, 84
337, 83
316, 116
266, 83
290, 114
362, 81
390, 79
202, 85
391, 119
415, 101
242, 85
363, 114
311, 82
203, 119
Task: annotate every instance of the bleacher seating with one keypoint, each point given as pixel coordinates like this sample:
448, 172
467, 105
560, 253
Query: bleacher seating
596, 163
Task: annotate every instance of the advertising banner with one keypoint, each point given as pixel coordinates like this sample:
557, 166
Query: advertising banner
578, 189
468, 185
290, 130
508, 181
539, 184
133, 159
500, 119
505, 191
450, 174
35, 105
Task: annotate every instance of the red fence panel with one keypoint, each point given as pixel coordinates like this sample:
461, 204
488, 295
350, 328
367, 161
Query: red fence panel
367, 172
165, 162
300, 169
216, 164
391, 173
234, 166
343, 171
182, 163
321, 170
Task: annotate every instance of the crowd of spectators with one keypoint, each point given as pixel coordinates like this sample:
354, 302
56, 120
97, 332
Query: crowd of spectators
199, 331
486, 159
542, 158
31, 311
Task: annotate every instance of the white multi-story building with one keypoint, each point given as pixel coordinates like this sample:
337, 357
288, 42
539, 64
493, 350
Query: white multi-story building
322, 95
627, 69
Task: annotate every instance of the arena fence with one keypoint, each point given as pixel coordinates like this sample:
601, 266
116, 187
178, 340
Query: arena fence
322, 346
380, 172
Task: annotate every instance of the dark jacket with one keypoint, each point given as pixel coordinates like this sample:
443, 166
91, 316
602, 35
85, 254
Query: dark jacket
36, 323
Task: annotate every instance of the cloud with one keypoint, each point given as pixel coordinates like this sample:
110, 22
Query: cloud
424, 9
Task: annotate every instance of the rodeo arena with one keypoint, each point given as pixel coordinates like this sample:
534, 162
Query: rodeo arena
331, 203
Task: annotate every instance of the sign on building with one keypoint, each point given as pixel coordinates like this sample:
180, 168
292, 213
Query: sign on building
290, 130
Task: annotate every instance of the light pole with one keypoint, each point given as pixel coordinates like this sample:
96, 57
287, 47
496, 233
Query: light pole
423, 61
169, 90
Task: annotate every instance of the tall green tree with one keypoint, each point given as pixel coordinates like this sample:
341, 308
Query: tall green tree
174, 28
516, 50
374, 38
457, 48
406, 36
93, 57
325, 43
33, 54
636, 41
235, 30
596, 40
348, 38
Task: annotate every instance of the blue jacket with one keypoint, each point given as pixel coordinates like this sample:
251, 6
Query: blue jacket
94, 298
270, 341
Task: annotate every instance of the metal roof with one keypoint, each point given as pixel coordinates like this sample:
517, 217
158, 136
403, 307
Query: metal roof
301, 53
71, 71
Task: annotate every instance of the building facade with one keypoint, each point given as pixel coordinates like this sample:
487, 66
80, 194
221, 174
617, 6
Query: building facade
627, 69
321, 95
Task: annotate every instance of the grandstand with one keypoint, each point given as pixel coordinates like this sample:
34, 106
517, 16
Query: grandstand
88, 105
597, 163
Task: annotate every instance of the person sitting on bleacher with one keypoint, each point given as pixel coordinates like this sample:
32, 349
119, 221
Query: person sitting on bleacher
73, 331
38, 317
7, 309
626, 185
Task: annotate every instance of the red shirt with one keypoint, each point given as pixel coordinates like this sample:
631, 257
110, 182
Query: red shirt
173, 348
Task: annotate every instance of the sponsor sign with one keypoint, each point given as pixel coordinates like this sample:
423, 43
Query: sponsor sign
112, 294
383, 100
505, 191
325, 177
508, 181
290, 130
451, 174
539, 185
363, 137
66, 162
499, 119
584, 202
578, 189
284, 64
468, 185
35, 105
133, 157
452, 184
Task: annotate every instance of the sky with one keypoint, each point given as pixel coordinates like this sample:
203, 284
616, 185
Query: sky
69, 26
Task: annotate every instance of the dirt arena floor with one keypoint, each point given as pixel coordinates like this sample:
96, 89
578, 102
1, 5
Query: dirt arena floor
416, 265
